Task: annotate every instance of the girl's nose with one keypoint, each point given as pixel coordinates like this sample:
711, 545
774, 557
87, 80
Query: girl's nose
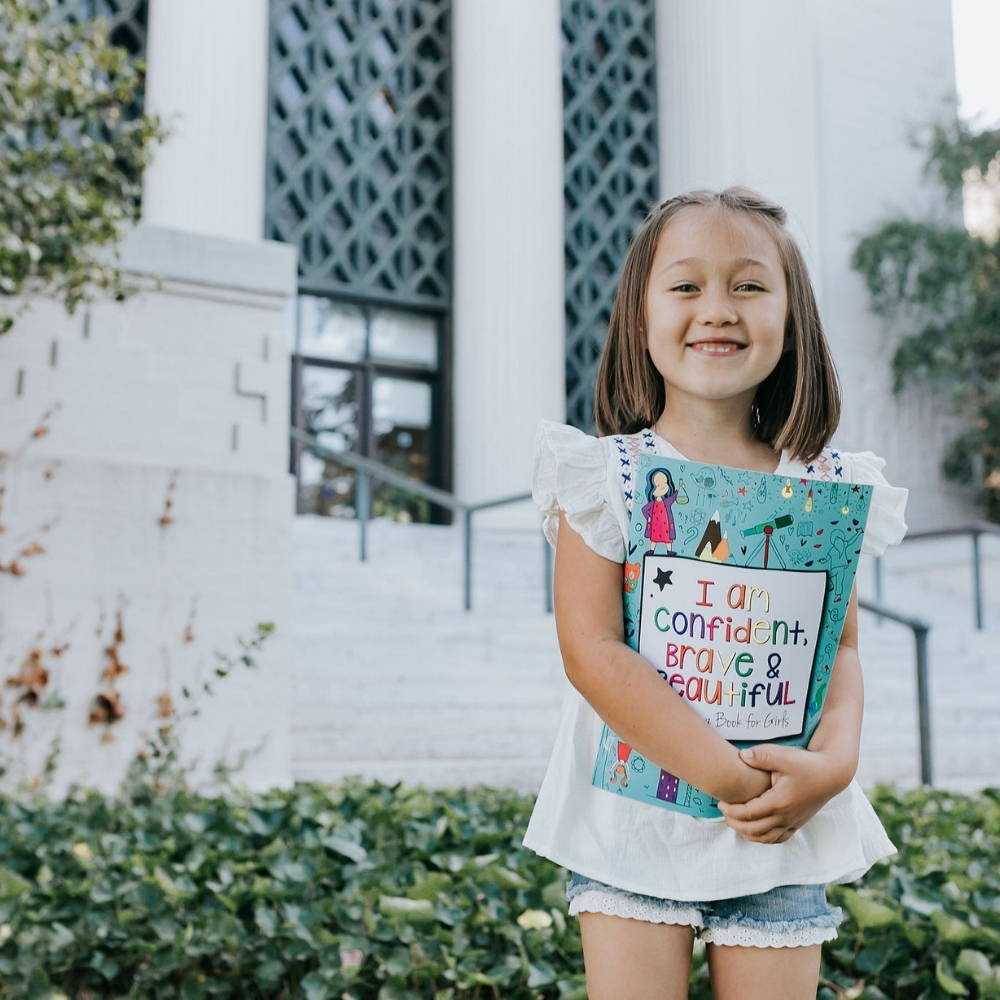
720, 314
716, 309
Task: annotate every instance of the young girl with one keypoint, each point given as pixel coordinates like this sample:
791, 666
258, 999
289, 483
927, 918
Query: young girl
716, 354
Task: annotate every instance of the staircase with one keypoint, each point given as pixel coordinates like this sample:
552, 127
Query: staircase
393, 680
933, 580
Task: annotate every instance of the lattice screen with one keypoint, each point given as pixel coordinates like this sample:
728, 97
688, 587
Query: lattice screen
611, 169
359, 136
127, 18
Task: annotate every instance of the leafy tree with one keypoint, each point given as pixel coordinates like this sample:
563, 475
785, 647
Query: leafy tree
940, 284
71, 154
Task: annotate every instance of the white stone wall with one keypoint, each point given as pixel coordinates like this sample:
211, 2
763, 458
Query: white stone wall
873, 84
172, 404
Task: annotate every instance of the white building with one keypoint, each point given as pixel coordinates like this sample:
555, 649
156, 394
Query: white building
398, 223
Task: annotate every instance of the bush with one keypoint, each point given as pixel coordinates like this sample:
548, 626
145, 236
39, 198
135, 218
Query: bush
72, 153
372, 890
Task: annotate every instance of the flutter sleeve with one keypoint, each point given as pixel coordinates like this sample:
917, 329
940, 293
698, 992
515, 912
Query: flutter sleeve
570, 474
885, 515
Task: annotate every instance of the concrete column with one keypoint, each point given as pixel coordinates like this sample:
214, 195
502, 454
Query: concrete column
207, 76
509, 328
737, 104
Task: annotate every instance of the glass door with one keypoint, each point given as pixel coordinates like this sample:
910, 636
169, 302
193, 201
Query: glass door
401, 425
366, 379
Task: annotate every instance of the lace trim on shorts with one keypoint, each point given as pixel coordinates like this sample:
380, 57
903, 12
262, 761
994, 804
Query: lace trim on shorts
587, 897
590, 897
780, 934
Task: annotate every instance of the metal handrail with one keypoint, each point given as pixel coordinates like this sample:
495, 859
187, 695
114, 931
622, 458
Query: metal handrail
973, 528
921, 630
368, 469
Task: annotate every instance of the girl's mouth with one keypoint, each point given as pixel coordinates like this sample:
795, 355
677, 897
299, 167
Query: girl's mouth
716, 347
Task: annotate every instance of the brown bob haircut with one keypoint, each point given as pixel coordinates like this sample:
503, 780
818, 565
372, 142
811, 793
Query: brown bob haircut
796, 407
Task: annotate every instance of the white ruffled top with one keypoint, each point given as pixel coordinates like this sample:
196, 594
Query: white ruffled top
651, 850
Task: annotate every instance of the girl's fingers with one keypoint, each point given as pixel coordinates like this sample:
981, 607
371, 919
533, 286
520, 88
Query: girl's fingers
776, 835
755, 809
758, 827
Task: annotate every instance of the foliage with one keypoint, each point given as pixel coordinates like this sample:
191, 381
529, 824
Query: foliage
71, 154
938, 283
926, 923
361, 890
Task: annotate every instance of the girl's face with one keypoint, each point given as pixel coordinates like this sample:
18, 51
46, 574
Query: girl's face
660, 484
715, 321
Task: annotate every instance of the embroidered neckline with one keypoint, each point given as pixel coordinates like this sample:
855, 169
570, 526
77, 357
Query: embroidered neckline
782, 461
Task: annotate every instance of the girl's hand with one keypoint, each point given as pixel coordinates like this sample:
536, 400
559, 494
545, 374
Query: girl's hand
802, 782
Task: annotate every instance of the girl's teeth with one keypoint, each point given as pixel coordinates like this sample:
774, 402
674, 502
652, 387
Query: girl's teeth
716, 348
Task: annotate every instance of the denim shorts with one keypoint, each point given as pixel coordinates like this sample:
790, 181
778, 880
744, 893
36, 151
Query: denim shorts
783, 917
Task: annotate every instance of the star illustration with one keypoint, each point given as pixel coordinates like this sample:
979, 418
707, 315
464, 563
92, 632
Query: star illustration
662, 578
743, 491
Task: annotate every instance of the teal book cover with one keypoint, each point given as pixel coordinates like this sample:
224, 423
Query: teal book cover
735, 588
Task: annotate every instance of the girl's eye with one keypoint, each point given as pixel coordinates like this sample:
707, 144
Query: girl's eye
750, 284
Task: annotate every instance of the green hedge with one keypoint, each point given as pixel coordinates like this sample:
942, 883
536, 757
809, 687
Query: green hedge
374, 890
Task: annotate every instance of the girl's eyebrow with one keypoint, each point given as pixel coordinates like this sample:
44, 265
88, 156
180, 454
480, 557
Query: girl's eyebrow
737, 262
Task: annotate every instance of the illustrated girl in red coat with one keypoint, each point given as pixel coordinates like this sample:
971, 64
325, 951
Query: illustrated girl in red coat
661, 494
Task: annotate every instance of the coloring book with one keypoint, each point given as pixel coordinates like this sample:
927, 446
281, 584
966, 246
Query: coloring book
736, 584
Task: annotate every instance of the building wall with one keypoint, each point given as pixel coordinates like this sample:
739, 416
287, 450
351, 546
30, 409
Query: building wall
182, 393
158, 494
778, 98
810, 104
868, 173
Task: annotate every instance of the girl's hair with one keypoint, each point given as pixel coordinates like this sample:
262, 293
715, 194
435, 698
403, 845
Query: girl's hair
796, 407
649, 482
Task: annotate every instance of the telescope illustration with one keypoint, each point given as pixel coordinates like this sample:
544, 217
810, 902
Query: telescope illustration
767, 529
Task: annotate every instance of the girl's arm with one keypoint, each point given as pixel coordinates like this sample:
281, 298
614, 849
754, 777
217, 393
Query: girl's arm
804, 780
624, 690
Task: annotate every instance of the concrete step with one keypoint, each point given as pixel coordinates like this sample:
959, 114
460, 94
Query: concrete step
394, 680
